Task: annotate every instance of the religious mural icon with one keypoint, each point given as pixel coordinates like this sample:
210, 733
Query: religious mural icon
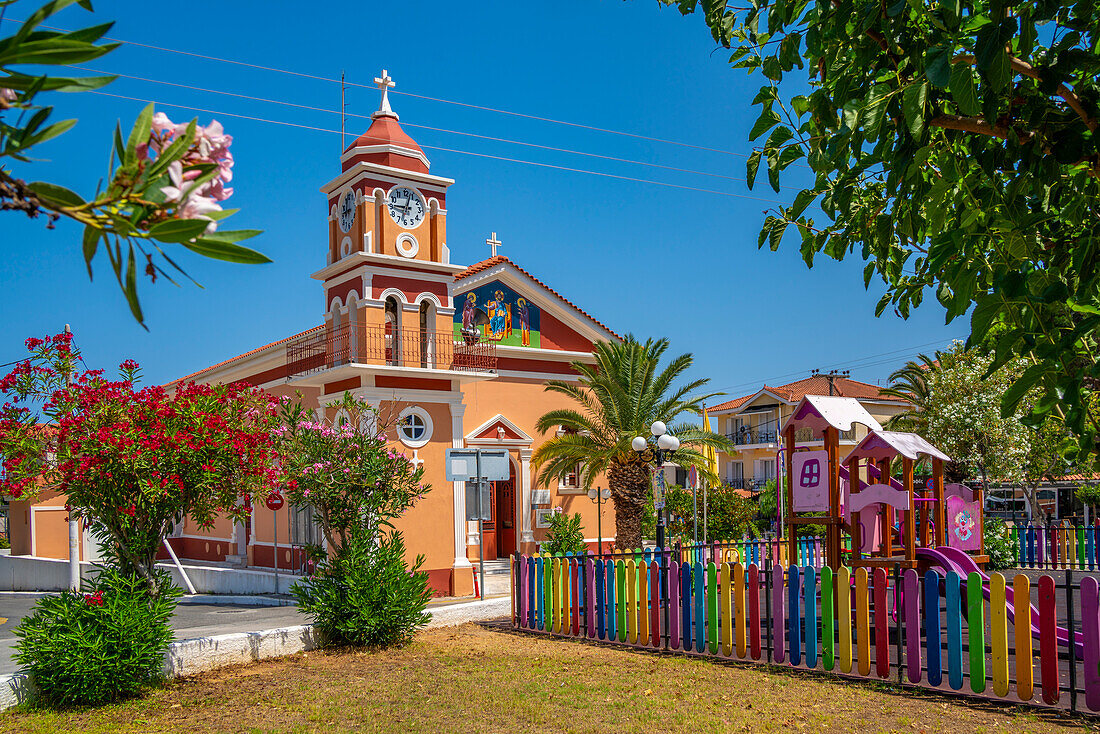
494, 312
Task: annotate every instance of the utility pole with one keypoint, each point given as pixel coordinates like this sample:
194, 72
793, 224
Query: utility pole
343, 110
831, 376
74, 524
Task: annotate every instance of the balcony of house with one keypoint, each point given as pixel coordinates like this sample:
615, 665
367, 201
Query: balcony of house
750, 437
753, 484
332, 353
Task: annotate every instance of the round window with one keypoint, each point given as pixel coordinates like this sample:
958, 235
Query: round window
414, 428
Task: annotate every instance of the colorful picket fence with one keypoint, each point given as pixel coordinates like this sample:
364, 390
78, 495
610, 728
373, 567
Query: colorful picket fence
1055, 546
937, 630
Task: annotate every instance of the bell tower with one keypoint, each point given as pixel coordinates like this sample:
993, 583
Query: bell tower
387, 264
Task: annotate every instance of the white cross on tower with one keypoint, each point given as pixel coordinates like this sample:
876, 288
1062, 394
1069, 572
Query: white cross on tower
494, 243
384, 83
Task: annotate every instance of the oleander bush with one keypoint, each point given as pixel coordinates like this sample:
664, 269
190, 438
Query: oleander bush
99, 646
366, 595
566, 534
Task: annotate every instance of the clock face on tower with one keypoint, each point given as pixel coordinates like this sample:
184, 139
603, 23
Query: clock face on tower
406, 207
347, 211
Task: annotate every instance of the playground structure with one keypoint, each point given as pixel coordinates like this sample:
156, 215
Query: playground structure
888, 519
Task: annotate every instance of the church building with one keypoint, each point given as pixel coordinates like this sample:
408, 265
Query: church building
456, 354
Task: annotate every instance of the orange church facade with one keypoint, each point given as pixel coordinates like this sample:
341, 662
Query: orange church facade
457, 354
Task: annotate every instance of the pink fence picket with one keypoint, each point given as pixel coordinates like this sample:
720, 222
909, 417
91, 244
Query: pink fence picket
1090, 630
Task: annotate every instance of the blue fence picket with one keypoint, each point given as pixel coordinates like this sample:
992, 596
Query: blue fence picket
794, 628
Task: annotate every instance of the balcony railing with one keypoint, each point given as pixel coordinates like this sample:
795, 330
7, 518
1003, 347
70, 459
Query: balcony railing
756, 484
325, 348
802, 435
748, 436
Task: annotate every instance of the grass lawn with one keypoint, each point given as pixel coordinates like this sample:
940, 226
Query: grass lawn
469, 679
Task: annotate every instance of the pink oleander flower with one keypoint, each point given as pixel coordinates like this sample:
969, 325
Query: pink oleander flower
190, 204
7, 97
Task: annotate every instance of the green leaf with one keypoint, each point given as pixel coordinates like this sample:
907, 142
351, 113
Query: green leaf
140, 132
57, 196
937, 66
776, 235
178, 230
874, 110
800, 203
131, 288
1019, 389
23, 82
751, 167
912, 104
226, 251
963, 90
91, 243
235, 235
765, 122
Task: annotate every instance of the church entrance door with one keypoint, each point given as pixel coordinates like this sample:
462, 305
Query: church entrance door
500, 531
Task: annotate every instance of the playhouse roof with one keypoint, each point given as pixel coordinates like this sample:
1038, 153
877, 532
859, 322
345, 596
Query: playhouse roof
818, 411
888, 444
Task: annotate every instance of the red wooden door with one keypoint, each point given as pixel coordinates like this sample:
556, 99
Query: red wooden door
504, 501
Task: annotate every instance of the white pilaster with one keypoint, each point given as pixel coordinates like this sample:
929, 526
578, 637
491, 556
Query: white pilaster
457, 441
524, 521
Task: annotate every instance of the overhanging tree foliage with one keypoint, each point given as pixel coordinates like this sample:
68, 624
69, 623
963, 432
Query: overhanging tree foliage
954, 149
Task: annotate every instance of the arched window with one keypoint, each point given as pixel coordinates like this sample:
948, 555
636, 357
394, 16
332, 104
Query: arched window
393, 331
427, 334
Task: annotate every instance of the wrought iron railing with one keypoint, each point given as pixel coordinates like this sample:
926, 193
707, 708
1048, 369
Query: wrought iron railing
324, 348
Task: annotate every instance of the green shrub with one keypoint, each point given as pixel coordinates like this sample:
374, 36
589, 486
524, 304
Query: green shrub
366, 595
4, 542
99, 646
566, 535
998, 545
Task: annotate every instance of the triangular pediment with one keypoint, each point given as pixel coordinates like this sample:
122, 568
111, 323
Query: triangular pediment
498, 429
503, 303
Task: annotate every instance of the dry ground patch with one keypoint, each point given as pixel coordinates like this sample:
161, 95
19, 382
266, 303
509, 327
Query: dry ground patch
469, 679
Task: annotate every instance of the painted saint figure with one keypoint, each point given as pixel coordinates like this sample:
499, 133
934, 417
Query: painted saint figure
469, 313
524, 321
498, 312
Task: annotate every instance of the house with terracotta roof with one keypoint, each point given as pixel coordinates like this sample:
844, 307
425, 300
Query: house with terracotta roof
752, 423
452, 355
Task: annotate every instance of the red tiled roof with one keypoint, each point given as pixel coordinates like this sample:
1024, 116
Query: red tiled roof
249, 353
498, 259
817, 385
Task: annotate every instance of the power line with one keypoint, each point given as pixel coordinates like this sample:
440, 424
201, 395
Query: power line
412, 125
451, 150
859, 363
442, 100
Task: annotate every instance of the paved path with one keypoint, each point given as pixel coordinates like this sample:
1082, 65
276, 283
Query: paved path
190, 620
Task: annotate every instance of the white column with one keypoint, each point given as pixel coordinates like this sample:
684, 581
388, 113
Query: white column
528, 536
457, 441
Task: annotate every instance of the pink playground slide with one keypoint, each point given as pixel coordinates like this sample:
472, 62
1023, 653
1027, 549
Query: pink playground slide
945, 559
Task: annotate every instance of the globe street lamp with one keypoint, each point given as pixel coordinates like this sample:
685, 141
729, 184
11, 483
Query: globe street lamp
666, 446
600, 497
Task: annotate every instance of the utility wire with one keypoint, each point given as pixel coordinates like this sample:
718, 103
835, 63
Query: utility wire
856, 364
442, 100
412, 125
452, 150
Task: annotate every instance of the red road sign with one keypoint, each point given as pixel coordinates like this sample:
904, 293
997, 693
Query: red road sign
275, 501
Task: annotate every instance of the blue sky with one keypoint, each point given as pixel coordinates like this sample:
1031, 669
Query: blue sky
647, 259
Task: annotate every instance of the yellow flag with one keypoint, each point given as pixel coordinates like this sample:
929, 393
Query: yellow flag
708, 451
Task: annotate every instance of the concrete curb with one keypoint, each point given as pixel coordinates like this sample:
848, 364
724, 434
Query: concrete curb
200, 654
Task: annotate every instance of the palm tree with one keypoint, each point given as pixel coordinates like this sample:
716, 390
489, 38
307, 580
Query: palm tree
619, 398
911, 383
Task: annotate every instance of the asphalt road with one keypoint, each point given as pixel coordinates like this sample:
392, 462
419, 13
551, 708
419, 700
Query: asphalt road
190, 620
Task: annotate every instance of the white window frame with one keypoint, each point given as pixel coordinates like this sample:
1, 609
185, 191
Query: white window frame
428, 427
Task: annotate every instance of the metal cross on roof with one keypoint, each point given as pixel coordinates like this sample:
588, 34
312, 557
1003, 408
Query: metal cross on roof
493, 243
